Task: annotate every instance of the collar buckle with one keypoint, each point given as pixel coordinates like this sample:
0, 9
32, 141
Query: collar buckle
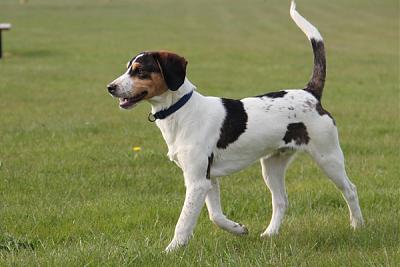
151, 117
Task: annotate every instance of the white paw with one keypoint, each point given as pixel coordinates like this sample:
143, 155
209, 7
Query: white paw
356, 222
174, 245
269, 232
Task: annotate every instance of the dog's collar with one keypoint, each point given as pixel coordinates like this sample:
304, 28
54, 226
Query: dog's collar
162, 114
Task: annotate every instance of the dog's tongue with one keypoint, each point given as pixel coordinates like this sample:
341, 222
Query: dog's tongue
124, 102
131, 101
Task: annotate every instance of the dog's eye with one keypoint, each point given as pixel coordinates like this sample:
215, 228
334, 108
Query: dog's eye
140, 73
133, 71
143, 74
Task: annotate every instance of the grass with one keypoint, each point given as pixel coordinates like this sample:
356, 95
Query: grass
72, 191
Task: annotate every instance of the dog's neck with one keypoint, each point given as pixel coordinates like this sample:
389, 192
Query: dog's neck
170, 126
169, 98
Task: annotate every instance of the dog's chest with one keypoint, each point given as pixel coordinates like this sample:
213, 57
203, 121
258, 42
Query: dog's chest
194, 127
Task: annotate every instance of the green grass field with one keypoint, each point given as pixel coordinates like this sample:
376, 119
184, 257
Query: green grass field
72, 191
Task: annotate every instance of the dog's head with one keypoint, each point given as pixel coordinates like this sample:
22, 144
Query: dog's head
147, 75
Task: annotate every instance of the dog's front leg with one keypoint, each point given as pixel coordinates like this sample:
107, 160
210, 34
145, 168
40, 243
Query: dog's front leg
197, 186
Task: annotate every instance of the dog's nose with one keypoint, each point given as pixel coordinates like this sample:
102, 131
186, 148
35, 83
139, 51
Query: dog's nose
112, 88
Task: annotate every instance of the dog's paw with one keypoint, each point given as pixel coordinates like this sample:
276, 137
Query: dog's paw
269, 232
356, 222
239, 229
174, 245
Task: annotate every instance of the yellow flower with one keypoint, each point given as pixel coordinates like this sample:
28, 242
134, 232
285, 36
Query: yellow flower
136, 148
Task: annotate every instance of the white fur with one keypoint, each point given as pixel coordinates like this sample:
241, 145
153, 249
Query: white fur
310, 31
124, 84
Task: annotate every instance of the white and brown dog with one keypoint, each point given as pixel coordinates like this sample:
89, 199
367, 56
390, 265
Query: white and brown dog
209, 137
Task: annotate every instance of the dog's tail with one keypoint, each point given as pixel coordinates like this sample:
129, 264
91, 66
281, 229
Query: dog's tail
317, 81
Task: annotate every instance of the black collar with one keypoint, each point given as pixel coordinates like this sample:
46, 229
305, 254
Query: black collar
162, 114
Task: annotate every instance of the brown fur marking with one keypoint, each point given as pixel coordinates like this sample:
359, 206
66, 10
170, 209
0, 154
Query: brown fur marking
154, 86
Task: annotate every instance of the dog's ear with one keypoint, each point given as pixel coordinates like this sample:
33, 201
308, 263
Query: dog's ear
173, 68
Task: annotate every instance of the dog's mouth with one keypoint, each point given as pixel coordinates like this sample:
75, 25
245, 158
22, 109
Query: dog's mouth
130, 102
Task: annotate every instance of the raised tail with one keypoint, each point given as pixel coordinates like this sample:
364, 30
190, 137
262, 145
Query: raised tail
317, 81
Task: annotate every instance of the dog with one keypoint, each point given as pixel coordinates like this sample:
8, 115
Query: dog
209, 137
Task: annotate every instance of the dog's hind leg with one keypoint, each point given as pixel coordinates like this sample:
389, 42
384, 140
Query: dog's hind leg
216, 215
273, 171
330, 159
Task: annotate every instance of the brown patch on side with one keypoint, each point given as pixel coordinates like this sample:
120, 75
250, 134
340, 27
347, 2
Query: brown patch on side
296, 132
